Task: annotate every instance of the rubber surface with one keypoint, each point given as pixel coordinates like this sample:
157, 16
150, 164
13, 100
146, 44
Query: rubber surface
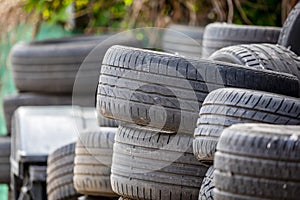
184, 40
148, 164
164, 91
93, 162
60, 174
218, 35
261, 56
4, 159
51, 66
290, 32
225, 107
258, 161
207, 186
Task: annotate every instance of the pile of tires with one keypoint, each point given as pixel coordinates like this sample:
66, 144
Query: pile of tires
59, 72
83, 167
44, 72
157, 97
251, 137
223, 127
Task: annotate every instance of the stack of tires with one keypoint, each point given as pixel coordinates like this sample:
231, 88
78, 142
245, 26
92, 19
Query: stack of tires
83, 167
44, 72
164, 148
157, 97
60, 72
252, 137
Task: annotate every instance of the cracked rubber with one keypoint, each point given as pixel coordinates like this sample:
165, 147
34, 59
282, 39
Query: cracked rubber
258, 161
261, 56
163, 91
93, 162
219, 35
225, 107
289, 35
60, 174
207, 186
184, 40
151, 165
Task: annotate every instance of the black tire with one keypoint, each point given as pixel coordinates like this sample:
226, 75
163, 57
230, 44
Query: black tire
4, 159
184, 40
225, 107
93, 162
207, 186
261, 56
51, 66
152, 165
219, 35
131, 84
60, 174
12, 102
257, 161
289, 35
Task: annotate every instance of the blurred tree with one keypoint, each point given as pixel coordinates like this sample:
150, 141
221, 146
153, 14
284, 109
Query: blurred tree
91, 16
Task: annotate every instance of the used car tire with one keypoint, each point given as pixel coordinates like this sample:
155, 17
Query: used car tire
184, 40
258, 161
4, 159
225, 107
93, 162
134, 84
60, 173
51, 66
148, 164
261, 56
207, 186
218, 35
289, 35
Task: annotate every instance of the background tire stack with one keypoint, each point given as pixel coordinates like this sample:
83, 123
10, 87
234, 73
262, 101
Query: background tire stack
45, 71
183, 40
242, 146
151, 159
92, 164
219, 35
60, 72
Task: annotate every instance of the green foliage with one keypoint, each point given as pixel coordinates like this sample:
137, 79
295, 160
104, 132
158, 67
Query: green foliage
89, 15
260, 12
53, 11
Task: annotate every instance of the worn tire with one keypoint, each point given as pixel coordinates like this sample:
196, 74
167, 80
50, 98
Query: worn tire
207, 186
257, 161
219, 35
289, 35
60, 173
148, 164
51, 66
4, 159
12, 102
131, 86
225, 107
184, 40
261, 56
93, 162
